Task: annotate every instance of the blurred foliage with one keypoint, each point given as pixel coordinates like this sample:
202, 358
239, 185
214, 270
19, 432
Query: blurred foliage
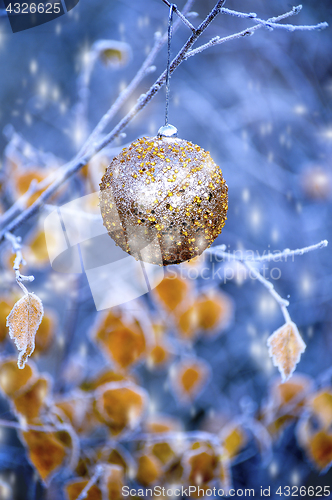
177, 387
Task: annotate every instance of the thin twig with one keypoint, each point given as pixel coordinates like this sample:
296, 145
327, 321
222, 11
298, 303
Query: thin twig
98, 472
270, 24
17, 249
77, 163
246, 255
169, 39
28, 427
246, 258
283, 303
145, 69
181, 16
176, 436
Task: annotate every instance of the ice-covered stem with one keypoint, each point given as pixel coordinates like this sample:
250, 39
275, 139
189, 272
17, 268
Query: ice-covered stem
270, 24
145, 69
79, 162
98, 472
181, 16
17, 249
220, 251
283, 303
246, 259
175, 436
11, 424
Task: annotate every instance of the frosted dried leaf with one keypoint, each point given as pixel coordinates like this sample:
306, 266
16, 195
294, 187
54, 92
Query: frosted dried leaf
113, 52
23, 322
285, 349
46, 452
233, 439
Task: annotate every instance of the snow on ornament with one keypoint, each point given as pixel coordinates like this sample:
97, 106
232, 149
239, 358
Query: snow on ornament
166, 190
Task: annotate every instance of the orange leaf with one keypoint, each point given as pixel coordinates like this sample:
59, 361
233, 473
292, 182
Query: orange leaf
46, 452
188, 377
158, 356
188, 323
286, 402
11, 378
202, 463
320, 449
164, 452
120, 405
285, 349
321, 405
23, 323
214, 312
148, 469
124, 343
31, 400
171, 292
233, 439
159, 423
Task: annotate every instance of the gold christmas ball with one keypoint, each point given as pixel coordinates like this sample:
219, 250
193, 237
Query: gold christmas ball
163, 200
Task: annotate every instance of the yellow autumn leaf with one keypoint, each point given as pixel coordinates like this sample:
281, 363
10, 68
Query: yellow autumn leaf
321, 406
285, 349
200, 465
120, 405
46, 452
29, 402
320, 450
23, 322
188, 378
12, 379
113, 52
148, 469
233, 439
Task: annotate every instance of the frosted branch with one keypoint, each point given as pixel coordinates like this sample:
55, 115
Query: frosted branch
270, 24
17, 249
144, 70
81, 160
283, 303
246, 258
181, 16
98, 472
220, 250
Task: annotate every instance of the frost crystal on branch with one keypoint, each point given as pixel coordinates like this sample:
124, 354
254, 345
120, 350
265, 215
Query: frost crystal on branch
285, 348
23, 322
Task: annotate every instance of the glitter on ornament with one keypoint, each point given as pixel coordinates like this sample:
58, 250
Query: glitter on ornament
165, 190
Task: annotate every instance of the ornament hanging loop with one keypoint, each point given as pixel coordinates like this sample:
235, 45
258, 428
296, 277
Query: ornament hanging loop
168, 130
169, 30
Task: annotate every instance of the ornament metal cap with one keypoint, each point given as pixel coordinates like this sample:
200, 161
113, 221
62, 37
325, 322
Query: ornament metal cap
168, 131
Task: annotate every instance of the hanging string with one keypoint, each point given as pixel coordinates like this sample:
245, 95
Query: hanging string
170, 23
